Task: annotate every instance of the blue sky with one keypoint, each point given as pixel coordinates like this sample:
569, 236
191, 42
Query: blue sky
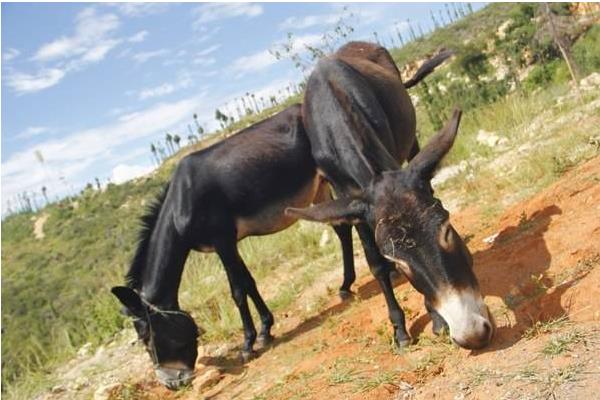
89, 86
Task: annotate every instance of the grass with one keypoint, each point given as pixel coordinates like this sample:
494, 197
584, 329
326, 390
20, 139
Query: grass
562, 343
544, 327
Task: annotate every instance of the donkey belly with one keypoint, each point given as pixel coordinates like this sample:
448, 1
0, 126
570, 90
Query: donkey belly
271, 218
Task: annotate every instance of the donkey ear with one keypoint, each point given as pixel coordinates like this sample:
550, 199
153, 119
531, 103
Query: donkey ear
427, 160
349, 210
130, 299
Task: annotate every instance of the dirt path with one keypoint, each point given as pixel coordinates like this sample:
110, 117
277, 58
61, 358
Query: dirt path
541, 282
541, 279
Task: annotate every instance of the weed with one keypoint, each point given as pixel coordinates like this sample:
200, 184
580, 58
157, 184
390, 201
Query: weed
372, 382
562, 343
543, 327
341, 373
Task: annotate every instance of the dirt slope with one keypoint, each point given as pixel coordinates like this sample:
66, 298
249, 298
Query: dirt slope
538, 268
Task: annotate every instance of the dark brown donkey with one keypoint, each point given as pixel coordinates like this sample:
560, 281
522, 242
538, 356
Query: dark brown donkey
361, 125
217, 196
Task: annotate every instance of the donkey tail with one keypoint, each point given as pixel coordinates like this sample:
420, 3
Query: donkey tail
428, 67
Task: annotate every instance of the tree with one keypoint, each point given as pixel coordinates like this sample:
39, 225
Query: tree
176, 139
169, 142
199, 128
154, 153
563, 45
45, 194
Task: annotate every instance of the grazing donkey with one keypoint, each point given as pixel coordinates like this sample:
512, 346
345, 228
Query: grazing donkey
361, 125
217, 196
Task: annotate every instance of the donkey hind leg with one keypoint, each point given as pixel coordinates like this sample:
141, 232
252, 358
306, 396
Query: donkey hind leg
242, 287
380, 268
439, 325
344, 233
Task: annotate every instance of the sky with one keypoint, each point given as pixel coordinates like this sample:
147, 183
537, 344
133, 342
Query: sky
86, 87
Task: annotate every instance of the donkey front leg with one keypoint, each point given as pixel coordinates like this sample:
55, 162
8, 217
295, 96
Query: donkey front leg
380, 268
235, 274
344, 233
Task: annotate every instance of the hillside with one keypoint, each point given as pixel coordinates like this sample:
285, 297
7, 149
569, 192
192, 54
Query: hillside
59, 263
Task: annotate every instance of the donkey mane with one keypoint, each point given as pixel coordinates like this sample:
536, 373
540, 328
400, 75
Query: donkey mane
147, 224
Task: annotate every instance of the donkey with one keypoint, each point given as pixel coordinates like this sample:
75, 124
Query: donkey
361, 125
217, 196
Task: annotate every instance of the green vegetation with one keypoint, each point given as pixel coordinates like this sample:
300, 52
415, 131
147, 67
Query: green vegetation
56, 289
562, 343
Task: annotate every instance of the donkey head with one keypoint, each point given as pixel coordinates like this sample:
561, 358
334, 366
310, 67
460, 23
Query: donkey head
170, 337
412, 229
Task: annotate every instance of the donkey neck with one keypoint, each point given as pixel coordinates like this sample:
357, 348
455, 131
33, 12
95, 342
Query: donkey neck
165, 257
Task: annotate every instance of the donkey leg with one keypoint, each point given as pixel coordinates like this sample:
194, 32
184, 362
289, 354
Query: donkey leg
237, 282
439, 325
344, 233
266, 317
380, 268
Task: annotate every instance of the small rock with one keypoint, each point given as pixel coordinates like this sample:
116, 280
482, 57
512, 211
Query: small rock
85, 350
502, 29
103, 392
58, 389
490, 139
207, 378
79, 384
490, 239
591, 81
325, 239
100, 350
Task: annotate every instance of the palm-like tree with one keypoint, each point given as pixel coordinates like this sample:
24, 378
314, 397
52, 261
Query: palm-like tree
154, 153
45, 194
169, 142
176, 139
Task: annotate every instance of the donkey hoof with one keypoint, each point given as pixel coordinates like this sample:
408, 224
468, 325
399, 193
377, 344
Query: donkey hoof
264, 340
402, 340
246, 355
346, 294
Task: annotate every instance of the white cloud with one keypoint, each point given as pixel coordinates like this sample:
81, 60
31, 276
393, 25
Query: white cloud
144, 56
183, 82
300, 42
10, 54
98, 52
264, 59
27, 83
140, 9
298, 23
138, 37
210, 12
32, 131
91, 29
254, 62
157, 91
90, 43
125, 172
70, 156
209, 50
204, 61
